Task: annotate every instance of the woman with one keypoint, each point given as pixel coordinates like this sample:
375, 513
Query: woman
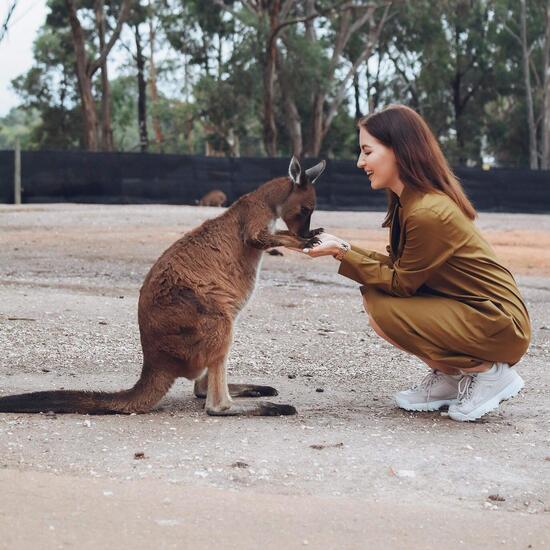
440, 293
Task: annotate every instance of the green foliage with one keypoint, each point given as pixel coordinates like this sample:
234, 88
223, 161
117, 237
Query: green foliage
454, 61
18, 124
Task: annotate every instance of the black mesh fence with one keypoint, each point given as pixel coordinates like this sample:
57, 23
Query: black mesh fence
59, 176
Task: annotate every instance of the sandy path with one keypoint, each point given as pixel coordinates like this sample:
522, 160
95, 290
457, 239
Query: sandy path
69, 280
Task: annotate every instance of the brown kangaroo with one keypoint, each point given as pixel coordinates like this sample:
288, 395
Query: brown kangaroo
213, 198
189, 302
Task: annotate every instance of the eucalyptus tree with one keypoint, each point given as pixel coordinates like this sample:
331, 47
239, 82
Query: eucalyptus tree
528, 26
442, 58
87, 63
49, 88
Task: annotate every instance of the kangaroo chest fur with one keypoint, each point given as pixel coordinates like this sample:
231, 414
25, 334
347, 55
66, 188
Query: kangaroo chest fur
210, 271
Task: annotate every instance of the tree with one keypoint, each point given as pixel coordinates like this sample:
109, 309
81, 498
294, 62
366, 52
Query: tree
87, 66
524, 40
49, 91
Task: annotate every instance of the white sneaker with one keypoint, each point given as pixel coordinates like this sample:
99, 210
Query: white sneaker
434, 391
483, 392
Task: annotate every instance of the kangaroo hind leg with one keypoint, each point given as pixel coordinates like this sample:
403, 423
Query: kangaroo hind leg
218, 398
235, 390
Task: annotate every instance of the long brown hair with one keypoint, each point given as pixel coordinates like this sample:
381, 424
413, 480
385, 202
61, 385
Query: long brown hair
420, 161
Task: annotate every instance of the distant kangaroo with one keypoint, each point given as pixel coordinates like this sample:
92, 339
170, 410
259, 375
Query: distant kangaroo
213, 198
190, 299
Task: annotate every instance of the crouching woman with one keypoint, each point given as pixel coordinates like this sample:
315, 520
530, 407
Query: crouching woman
440, 293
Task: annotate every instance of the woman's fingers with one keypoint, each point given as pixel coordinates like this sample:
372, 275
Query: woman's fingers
327, 248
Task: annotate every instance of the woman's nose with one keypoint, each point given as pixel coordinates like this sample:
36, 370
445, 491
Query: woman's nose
361, 161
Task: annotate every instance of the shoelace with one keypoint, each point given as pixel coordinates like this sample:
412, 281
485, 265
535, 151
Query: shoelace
428, 381
465, 386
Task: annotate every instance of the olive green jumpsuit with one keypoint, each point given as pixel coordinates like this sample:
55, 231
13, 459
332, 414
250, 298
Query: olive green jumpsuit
441, 294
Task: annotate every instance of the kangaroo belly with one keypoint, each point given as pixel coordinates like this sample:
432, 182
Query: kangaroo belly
219, 289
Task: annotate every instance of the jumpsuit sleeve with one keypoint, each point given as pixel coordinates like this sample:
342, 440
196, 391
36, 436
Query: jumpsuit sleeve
429, 243
382, 258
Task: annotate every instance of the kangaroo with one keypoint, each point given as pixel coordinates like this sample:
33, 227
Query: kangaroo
213, 198
190, 300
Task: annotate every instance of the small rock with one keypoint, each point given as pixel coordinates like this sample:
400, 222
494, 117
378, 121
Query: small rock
240, 464
496, 498
319, 390
292, 376
318, 447
139, 455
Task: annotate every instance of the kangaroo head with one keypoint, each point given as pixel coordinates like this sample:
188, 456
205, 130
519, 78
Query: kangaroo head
297, 209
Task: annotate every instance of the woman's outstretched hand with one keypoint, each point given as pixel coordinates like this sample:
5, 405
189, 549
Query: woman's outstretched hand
328, 245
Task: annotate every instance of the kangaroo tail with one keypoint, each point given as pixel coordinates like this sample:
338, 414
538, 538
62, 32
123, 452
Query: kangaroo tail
148, 391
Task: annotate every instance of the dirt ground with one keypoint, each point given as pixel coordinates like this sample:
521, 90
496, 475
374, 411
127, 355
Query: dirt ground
350, 471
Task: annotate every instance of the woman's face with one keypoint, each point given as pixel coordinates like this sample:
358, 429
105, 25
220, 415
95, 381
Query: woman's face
378, 161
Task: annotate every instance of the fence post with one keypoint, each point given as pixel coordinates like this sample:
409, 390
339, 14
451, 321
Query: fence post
17, 173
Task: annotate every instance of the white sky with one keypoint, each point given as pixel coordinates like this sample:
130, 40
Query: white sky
16, 48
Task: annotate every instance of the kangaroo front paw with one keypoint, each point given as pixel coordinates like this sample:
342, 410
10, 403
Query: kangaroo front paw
317, 231
312, 242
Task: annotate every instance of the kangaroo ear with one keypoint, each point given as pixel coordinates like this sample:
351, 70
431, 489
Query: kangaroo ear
294, 170
314, 172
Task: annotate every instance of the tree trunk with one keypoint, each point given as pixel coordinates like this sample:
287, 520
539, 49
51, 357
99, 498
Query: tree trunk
86, 68
106, 123
270, 129
357, 97
292, 116
309, 24
89, 115
142, 93
533, 149
545, 161
316, 139
159, 138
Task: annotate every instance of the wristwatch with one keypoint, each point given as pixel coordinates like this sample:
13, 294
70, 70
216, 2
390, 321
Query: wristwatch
343, 247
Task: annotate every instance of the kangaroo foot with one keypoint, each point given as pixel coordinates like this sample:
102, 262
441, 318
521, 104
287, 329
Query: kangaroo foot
251, 390
263, 408
240, 390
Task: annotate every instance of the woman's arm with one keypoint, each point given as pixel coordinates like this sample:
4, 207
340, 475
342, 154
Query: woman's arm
330, 245
429, 243
382, 258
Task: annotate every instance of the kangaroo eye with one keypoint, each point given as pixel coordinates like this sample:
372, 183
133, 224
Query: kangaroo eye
304, 210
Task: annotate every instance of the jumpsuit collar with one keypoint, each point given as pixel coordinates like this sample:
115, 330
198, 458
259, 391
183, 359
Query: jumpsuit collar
406, 196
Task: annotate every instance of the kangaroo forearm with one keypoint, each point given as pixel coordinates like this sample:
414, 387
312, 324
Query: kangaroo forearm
312, 233
264, 242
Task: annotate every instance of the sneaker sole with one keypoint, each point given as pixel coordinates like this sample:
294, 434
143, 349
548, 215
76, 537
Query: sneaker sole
511, 390
424, 407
